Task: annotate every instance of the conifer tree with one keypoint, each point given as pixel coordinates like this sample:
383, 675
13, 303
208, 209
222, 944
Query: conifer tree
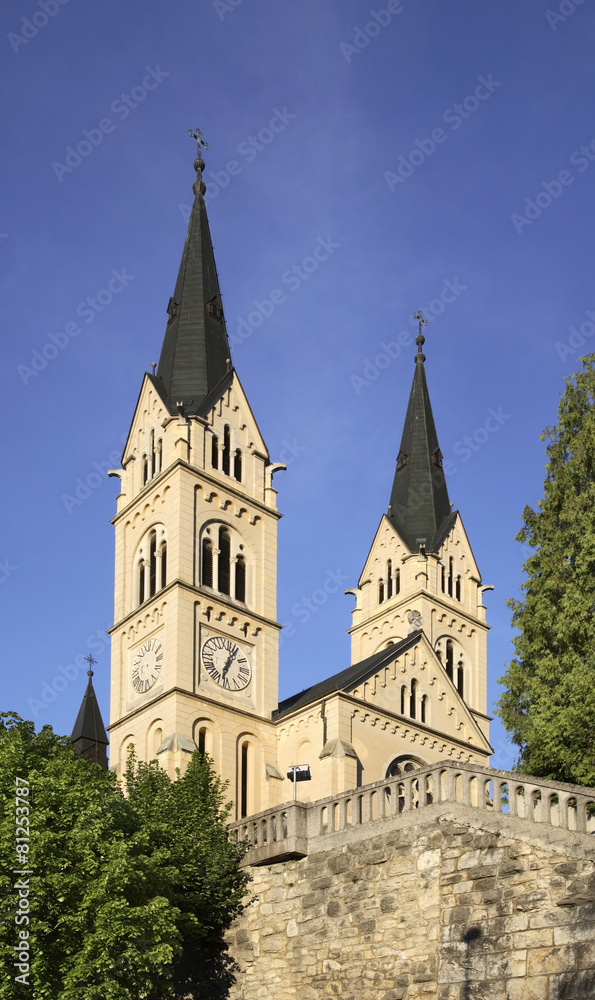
549, 702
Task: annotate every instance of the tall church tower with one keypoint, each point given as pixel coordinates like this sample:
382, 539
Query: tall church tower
195, 639
421, 572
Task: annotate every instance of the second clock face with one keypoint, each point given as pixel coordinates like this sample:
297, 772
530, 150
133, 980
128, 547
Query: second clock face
225, 662
147, 664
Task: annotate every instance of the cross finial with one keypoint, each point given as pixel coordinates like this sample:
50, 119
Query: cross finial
91, 661
420, 339
197, 134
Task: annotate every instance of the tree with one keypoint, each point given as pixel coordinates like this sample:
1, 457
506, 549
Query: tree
129, 896
549, 702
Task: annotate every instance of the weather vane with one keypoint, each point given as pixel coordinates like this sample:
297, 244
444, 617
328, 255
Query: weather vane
91, 661
197, 134
419, 316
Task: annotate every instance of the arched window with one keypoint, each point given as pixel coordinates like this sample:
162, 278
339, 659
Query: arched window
450, 575
225, 457
159, 449
443, 578
397, 581
413, 699
163, 564
141, 581
458, 588
202, 739
389, 580
223, 561
450, 655
403, 699
207, 563
402, 765
380, 591
153, 455
152, 563
423, 708
244, 779
460, 679
240, 587
237, 465
214, 452
145, 469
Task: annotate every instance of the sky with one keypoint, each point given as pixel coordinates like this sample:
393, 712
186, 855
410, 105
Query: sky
433, 149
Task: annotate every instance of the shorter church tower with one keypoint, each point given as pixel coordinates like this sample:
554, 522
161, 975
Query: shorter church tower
89, 737
416, 690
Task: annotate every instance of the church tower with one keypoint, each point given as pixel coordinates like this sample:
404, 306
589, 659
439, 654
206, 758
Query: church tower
195, 639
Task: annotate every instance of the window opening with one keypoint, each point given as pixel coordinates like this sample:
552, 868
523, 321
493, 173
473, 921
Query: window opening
240, 587
225, 458
224, 560
207, 562
237, 465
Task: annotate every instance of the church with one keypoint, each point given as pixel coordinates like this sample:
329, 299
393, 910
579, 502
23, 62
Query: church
195, 640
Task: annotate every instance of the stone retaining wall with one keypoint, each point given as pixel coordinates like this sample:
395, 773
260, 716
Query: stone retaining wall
448, 903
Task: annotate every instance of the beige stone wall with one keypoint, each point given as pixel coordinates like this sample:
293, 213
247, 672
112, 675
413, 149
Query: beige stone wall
459, 907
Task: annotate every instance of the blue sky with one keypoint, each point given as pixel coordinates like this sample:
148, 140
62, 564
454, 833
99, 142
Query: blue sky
370, 152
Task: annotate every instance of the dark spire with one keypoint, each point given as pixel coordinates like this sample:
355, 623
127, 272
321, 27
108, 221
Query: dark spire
419, 506
89, 737
195, 355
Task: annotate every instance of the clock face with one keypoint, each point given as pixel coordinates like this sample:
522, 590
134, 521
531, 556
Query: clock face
147, 665
226, 663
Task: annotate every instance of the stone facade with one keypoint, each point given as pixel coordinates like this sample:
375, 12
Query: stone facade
452, 902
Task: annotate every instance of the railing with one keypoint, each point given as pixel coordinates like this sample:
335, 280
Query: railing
292, 829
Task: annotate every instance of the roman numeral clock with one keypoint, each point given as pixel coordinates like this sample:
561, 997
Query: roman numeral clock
226, 663
147, 666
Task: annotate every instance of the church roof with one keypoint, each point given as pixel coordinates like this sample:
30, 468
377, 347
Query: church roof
89, 724
347, 679
195, 355
419, 507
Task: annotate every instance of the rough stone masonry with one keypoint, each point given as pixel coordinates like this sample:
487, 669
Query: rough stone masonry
456, 907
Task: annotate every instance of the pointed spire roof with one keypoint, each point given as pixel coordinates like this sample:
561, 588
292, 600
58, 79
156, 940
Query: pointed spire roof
195, 356
419, 508
89, 736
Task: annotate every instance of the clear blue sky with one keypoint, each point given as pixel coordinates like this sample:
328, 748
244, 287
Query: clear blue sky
347, 117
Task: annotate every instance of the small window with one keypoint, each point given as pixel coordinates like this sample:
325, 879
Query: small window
461, 680
401, 460
202, 739
389, 580
450, 575
223, 560
413, 699
443, 578
141, 582
458, 588
381, 591
225, 458
450, 654
159, 455
423, 707
152, 563
240, 588
214, 452
145, 469
153, 455
403, 699
207, 563
244, 781
237, 465
215, 309
397, 581
163, 564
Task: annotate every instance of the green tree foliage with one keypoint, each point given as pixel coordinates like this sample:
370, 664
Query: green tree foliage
549, 702
130, 896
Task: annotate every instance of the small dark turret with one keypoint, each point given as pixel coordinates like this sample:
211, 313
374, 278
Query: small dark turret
89, 737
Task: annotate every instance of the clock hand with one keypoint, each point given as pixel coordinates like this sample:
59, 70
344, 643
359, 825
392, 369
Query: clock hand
230, 660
